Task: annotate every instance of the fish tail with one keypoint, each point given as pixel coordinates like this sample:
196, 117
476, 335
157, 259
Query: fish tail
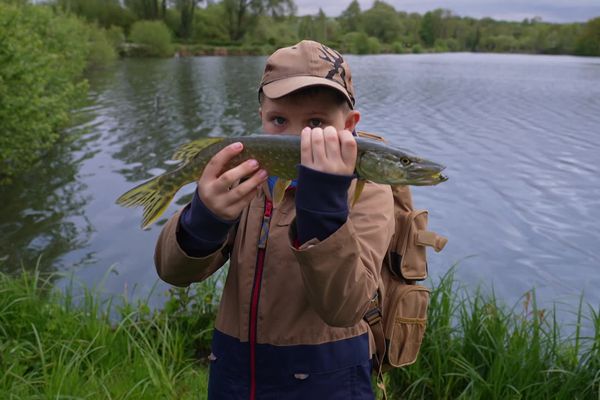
151, 195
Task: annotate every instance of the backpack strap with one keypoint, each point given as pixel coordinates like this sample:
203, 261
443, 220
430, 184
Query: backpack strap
374, 318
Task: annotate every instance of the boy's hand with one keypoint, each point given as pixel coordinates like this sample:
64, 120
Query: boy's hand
216, 187
328, 150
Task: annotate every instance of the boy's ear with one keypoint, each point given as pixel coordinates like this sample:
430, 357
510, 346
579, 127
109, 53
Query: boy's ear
352, 119
260, 112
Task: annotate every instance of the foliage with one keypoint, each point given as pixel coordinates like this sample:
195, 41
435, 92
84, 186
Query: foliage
115, 36
241, 15
588, 43
104, 12
209, 27
351, 17
65, 344
273, 33
77, 343
102, 46
154, 36
476, 348
268, 23
147, 9
186, 10
355, 43
382, 22
42, 57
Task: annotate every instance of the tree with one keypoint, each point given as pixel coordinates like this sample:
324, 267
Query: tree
105, 12
350, 19
382, 21
186, 9
241, 14
147, 9
433, 26
588, 42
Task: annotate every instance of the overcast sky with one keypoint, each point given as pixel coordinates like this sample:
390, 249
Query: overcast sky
548, 10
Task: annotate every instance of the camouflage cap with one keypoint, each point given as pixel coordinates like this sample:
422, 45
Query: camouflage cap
305, 64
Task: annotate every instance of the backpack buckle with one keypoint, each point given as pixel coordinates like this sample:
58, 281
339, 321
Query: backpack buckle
373, 316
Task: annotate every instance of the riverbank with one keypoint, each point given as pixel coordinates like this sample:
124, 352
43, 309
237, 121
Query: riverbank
55, 343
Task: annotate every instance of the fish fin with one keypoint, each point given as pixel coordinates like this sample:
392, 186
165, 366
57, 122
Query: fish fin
360, 185
279, 190
369, 135
189, 150
150, 195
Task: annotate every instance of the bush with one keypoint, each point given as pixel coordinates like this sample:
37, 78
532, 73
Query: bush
397, 48
42, 57
374, 47
417, 49
440, 46
115, 36
588, 42
153, 36
102, 51
355, 43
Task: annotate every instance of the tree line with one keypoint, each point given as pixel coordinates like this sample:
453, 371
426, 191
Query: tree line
381, 28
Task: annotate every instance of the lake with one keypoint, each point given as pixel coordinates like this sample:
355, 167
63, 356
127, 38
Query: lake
520, 136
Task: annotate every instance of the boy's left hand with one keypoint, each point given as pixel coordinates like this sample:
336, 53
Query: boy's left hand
327, 150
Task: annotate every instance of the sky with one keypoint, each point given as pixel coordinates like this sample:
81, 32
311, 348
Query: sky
512, 10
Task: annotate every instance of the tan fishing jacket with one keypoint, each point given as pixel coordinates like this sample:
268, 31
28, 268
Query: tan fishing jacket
315, 294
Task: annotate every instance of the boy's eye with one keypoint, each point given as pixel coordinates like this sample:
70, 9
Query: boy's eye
279, 120
315, 122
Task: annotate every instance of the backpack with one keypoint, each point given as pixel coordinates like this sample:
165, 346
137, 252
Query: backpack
398, 315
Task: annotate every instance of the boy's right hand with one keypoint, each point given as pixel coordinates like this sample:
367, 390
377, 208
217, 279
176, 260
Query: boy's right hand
217, 188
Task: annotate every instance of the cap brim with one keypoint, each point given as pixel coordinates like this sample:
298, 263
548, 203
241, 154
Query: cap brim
282, 87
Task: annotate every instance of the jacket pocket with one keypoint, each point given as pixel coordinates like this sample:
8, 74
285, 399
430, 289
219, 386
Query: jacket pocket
404, 332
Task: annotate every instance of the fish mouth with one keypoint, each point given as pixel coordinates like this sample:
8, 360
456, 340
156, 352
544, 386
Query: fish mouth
427, 173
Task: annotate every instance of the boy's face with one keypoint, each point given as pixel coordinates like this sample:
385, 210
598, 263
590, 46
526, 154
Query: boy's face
290, 114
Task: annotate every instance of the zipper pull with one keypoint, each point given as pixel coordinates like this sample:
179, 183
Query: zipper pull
264, 229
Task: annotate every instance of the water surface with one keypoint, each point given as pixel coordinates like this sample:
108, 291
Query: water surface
520, 136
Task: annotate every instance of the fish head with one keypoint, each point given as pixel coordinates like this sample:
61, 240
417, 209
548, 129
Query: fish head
398, 167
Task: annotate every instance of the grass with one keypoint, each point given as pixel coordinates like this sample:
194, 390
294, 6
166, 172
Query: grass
476, 348
54, 344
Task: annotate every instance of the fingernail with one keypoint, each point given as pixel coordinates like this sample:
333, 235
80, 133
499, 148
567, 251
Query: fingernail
253, 163
262, 174
236, 145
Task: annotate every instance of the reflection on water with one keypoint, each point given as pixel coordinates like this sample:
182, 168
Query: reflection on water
520, 136
43, 217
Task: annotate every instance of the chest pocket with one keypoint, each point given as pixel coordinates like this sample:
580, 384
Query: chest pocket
285, 218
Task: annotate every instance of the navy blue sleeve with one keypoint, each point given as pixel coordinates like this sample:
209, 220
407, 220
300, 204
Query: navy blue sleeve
321, 203
201, 232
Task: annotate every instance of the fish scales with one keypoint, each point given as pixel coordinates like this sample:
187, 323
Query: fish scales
279, 155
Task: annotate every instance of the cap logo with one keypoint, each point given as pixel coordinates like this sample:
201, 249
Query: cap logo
336, 60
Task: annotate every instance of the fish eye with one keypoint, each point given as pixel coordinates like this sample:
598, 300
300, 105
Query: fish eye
405, 161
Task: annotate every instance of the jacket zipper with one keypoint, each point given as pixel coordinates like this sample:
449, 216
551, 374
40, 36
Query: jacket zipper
260, 260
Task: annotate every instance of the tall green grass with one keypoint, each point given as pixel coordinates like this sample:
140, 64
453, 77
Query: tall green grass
477, 348
54, 344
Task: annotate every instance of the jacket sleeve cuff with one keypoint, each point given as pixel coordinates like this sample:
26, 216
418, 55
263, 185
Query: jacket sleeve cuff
202, 232
321, 203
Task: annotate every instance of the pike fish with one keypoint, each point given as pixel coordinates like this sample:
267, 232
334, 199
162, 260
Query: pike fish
278, 155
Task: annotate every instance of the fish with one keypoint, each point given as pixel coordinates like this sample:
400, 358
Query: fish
279, 155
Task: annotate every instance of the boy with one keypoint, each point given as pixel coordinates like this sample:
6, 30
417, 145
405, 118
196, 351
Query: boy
303, 273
